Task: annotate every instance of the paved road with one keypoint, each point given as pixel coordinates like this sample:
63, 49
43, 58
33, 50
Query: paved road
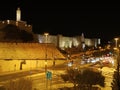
18, 74
22, 73
41, 83
37, 76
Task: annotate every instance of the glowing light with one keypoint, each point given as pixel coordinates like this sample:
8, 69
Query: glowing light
69, 64
18, 15
45, 62
3, 22
116, 40
16, 23
8, 21
46, 37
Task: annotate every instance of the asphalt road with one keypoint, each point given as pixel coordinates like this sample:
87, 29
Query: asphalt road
14, 75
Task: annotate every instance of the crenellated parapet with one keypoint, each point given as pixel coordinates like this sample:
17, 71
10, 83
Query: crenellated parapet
20, 24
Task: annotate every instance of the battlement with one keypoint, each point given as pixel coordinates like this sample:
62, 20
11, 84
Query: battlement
20, 24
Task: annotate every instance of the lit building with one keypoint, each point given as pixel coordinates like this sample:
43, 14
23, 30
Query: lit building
33, 54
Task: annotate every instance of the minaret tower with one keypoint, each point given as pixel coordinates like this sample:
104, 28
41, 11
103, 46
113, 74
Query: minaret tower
82, 38
18, 14
83, 41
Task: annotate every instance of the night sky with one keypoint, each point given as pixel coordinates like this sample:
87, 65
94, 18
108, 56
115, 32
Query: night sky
94, 20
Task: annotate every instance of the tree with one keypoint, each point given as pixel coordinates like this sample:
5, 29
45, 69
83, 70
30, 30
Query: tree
116, 83
85, 78
72, 74
116, 75
14, 34
65, 77
26, 36
89, 77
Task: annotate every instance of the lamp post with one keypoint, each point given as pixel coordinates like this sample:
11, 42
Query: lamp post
116, 41
118, 63
117, 51
46, 41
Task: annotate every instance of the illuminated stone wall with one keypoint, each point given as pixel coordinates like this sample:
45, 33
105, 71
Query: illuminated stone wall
92, 42
32, 54
14, 65
67, 42
28, 51
50, 39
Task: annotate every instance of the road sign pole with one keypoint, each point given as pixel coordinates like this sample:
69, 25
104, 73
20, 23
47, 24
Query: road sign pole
48, 77
46, 83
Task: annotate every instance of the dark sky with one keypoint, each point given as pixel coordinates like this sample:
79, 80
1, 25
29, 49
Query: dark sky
94, 20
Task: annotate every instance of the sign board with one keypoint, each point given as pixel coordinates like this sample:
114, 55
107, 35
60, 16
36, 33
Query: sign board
49, 75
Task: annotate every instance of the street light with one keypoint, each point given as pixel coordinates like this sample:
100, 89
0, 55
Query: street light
116, 41
117, 52
46, 41
46, 37
118, 58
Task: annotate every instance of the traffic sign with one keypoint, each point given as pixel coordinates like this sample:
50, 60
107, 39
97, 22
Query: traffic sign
49, 75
